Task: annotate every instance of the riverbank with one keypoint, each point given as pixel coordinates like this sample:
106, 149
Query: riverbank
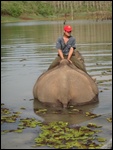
6, 18
26, 17
98, 15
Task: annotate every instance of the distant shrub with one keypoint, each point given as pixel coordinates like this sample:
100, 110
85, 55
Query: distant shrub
15, 10
12, 8
50, 8
45, 9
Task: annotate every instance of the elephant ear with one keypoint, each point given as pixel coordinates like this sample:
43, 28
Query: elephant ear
79, 56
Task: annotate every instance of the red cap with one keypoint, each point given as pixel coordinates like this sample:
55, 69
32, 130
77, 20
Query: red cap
67, 28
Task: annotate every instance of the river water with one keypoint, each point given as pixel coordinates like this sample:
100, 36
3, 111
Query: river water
27, 50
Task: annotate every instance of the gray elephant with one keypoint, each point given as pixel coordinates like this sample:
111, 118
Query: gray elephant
65, 85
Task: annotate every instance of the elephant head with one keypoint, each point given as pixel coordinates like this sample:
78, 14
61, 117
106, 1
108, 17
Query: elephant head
65, 85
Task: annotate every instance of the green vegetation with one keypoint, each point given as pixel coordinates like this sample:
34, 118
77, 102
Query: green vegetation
55, 10
17, 8
61, 136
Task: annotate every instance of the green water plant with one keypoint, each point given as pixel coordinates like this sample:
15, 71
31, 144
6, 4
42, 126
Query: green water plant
60, 135
109, 119
29, 122
92, 115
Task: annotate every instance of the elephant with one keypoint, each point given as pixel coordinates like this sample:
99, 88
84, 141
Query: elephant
65, 85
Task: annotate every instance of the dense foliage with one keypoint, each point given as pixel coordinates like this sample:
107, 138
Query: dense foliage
52, 8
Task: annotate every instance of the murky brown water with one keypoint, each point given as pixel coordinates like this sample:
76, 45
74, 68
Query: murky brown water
28, 48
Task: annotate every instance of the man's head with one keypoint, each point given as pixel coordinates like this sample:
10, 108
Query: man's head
67, 30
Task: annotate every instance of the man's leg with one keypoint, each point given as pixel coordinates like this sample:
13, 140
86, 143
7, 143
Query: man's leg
78, 64
55, 62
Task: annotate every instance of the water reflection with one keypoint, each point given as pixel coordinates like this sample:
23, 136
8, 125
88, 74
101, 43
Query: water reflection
48, 32
72, 115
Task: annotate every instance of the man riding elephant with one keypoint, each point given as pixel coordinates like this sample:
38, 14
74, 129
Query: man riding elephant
66, 82
66, 46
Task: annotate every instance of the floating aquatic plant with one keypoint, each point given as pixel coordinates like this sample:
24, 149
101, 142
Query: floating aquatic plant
93, 125
109, 119
9, 119
71, 110
24, 123
29, 122
18, 130
92, 115
23, 108
60, 135
5, 111
8, 116
101, 139
41, 111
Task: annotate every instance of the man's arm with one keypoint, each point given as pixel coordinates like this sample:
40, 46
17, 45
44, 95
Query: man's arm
60, 54
73, 46
70, 54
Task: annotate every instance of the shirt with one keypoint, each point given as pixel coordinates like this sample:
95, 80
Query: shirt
65, 47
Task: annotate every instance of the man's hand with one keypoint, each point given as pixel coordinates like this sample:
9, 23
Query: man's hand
69, 61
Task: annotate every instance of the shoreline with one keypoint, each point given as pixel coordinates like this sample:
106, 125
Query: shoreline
83, 16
